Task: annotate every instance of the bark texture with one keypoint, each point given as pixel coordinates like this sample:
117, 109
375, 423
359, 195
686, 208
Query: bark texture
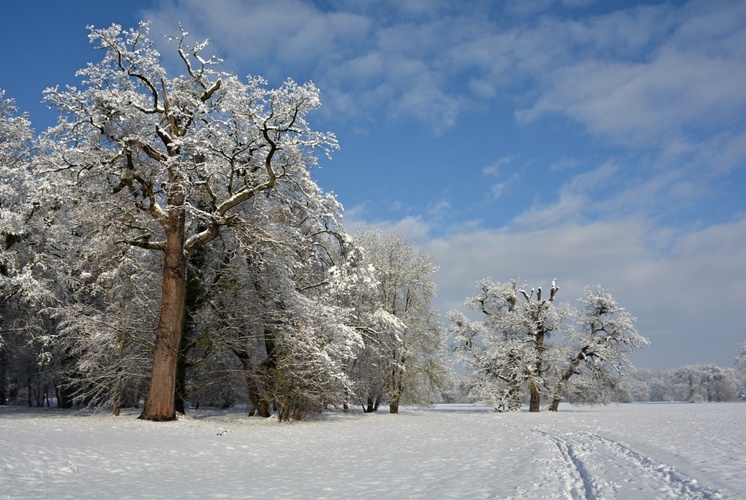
160, 403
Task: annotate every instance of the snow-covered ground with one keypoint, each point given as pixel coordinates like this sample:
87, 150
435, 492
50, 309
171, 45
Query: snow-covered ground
629, 451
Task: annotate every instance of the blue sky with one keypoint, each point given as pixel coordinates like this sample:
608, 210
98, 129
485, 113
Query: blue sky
588, 141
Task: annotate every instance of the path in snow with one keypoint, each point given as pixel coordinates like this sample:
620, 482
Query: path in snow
597, 467
628, 451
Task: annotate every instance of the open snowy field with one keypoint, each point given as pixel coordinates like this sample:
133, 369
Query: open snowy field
450, 451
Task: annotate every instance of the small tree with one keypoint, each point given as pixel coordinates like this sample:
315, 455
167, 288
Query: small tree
409, 368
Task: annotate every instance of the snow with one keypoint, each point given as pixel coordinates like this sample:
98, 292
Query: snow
449, 451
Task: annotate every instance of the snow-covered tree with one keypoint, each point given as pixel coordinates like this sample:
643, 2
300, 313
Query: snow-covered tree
407, 364
720, 383
511, 351
649, 385
23, 288
301, 343
508, 346
102, 341
604, 335
176, 158
698, 383
692, 383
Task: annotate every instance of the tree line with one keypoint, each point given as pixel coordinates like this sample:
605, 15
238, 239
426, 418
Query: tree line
690, 383
165, 242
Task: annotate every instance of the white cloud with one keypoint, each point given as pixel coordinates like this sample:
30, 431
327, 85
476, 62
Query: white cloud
569, 207
687, 301
576, 255
639, 74
414, 228
496, 190
644, 103
268, 35
659, 88
577, 200
565, 163
497, 167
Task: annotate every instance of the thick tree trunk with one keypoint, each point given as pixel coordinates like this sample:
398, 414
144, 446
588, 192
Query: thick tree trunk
395, 385
269, 366
395, 395
193, 299
559, 391
160, 403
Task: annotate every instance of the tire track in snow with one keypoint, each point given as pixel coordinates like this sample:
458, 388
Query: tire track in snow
579, 485
600, 467
680, 485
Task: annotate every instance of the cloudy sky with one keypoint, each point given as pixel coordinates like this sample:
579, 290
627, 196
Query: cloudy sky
588, 141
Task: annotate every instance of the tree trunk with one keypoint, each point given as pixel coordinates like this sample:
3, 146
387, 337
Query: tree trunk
555, 404
193, 299
395, 385
270, 373
372, 404
65, 395
181, 380
559, 390
160, 403
394, 405
117, 399
3, 377
534, 405
259, 405
535, 401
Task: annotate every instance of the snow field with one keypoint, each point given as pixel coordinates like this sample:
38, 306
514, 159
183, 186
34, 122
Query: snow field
450, 451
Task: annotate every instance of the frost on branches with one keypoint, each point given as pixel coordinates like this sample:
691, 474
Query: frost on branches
17, 206
510, 350
741, 367
401, 362
178, 160
24, 282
